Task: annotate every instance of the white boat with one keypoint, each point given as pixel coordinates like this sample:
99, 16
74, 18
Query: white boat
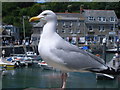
44, 65
30, 53
23, 60
112, 50
6, 64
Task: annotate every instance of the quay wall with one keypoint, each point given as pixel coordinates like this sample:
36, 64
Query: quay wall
11, 50
18, 49
96, 48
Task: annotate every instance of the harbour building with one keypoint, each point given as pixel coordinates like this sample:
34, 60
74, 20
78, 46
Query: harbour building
100, 24
10, 33
88, 26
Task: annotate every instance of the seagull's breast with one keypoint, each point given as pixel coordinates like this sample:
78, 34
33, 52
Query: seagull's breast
46, 43
44, 48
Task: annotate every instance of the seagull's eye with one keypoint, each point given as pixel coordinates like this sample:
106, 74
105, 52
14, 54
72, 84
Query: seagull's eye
45, 14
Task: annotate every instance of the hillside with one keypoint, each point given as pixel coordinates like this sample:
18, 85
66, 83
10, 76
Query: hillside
13, 12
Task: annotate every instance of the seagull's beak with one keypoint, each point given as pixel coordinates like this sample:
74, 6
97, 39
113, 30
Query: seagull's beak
34, 19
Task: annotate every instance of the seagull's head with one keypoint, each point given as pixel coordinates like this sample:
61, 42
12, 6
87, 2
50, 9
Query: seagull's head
46, 15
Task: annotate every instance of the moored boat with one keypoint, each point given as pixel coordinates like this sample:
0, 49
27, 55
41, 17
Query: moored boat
44, 65
6, 64
112, 50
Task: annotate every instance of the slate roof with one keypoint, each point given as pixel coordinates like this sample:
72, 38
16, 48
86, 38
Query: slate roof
100, 13
93, 13
68, 16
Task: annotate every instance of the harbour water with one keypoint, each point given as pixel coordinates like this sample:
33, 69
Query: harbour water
35, 77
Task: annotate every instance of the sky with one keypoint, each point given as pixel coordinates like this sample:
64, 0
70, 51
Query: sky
42, 1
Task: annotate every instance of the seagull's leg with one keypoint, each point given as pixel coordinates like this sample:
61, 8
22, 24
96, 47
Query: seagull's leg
64, 78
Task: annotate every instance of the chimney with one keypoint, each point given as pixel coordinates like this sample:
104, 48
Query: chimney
81, 9
66, 11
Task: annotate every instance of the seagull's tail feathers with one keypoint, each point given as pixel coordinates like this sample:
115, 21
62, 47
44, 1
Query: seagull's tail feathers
106, 75
109, 72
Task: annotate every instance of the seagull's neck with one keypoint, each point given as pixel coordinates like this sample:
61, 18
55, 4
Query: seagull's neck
49, 28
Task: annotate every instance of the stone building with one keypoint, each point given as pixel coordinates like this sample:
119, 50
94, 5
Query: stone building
89, 26
71, 27
100, 24
10, 33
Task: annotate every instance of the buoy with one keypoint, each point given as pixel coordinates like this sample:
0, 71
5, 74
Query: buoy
98, 55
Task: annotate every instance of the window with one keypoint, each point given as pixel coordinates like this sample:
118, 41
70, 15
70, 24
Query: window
104, 19
63, 30
111, 28
101, 28
78, 24
90, 18
67, 26
71, 31
71, 23
64, 24
112, 19
99, 18
78, 31
90, 28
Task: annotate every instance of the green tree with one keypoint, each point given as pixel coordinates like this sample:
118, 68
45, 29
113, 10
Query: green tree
12, 12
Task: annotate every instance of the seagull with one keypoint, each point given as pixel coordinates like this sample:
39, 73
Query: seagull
59, 53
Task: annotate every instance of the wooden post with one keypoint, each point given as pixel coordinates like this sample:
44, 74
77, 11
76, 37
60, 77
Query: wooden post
118, 46
104, 49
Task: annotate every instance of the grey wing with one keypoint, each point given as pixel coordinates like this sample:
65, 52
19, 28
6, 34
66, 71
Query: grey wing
76, 58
